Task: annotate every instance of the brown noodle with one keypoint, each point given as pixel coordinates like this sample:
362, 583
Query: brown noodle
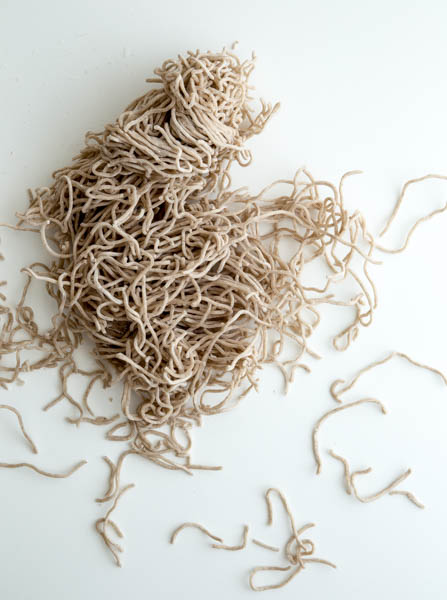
21, 425
179, 281
297, 551
101, 527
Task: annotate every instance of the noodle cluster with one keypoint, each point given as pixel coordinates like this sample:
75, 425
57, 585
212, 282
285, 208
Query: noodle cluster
179, 281
184, 286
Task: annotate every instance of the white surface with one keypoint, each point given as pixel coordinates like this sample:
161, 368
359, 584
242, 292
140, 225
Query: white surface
362, 86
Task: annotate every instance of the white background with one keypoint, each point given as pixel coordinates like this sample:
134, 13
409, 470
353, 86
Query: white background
363, 86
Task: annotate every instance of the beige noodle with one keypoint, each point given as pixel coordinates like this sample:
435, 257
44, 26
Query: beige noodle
240, 546
346, 469
389, 489
41, 472
410, 497
297, 551
21, 425
316, 429
418, 222
337, 393
175, 278
294, 531
177, 281
195, 526
101, 527
275, 586
264, 545
386, 490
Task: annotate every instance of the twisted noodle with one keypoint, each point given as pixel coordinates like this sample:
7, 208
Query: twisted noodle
389, 489
178, 280
316, 429
296, 557
275, 586
336, 394
95, 420
382, 492
346, 470
192, 466
417, 223
237, 547
21, 425
295, 533
196, 526
409, 495
284, 503
311, 545
112, 546
112, 481
181, 283
264, 545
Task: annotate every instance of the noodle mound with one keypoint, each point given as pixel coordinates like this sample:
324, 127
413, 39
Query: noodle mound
179, 281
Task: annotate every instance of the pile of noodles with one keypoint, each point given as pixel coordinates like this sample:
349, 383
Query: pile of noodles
180, 282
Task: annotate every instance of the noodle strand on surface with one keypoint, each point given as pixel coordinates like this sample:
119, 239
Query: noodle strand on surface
4, 465
21, 425
196, 526
240, 546
101, 527
316, 429
336, 394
